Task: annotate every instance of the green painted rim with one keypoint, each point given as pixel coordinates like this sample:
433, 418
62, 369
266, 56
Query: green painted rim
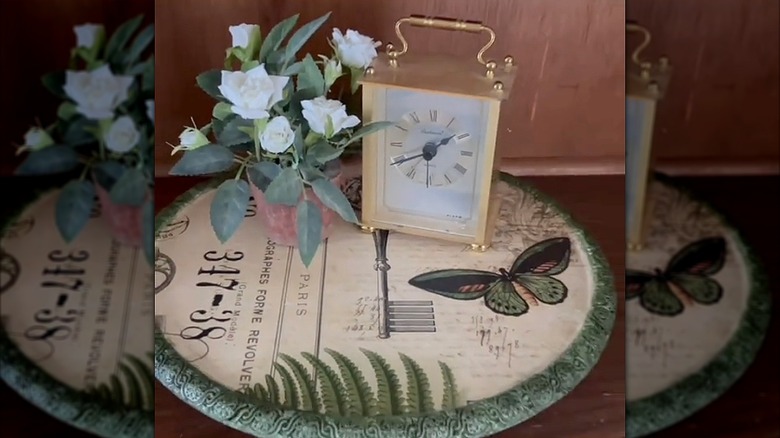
57, 399
480, 419
696, 391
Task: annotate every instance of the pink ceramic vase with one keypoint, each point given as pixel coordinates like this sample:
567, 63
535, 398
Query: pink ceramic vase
280, 221
123, 220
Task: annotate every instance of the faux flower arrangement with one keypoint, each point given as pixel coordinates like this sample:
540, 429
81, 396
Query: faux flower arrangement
275, 126
105, 128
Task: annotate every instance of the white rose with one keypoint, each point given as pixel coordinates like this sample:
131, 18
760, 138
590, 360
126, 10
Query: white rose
122, 135
252, 93
189, 139
35, 139
353, 49
332, 71
97, 93
244, 34
278, 135
320, 110
150, 109
87, 34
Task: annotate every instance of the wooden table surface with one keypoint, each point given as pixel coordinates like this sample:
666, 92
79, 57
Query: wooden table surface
596, 407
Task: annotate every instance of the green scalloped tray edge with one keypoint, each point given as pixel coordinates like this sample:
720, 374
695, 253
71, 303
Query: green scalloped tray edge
662, 410
480, 419
61, 401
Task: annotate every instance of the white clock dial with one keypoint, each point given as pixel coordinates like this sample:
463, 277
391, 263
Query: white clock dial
430, 160
429, 147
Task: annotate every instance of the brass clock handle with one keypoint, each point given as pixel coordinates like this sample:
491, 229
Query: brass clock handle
443, 24
633, 27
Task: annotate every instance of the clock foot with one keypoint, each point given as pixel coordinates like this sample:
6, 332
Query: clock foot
635, 246
479, 248
367, 229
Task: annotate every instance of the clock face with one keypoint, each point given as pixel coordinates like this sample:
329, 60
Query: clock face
432, 148
431, 159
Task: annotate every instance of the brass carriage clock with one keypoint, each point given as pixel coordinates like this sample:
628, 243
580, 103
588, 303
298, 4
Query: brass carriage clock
646, 83
434, 172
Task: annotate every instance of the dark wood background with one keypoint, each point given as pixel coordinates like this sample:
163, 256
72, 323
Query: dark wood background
568, 97
722, 103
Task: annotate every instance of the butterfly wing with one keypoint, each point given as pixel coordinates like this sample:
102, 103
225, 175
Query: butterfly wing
502, 298
703, 257
659, 299
460, 284
703, 290
548, 290
635, 282
548, 257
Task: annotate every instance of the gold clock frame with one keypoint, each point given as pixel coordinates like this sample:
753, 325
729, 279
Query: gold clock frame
646, 82
448, 75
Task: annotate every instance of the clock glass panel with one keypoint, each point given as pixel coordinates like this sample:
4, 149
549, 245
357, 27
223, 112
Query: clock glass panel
431, 159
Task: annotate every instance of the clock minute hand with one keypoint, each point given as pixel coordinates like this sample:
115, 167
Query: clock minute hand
403, 160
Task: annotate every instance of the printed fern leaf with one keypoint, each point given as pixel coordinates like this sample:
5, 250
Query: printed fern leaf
117, 394
260, 393
273, 390
331, 388
144, 371
418, 393
390, 399
450, 398
361, 397
309, 398
133, 386
291, 399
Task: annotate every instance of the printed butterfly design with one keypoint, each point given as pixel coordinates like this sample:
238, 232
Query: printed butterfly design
684, 281
507, 292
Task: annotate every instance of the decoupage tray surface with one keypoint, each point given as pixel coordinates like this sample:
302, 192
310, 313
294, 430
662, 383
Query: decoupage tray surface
696, 313
76, 336
253, 339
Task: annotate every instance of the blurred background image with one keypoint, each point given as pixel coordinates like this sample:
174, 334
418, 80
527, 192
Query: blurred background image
76, 169
701, 330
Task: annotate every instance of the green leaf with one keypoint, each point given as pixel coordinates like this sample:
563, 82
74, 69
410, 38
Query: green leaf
228, 208
334, 199
361, 398
81, 131
309, 400
209, 82
293, 69
147, 229
249, 65
302, 35
130, 189
54, 82
273, 390
66, 110
418, 392
322, 152
221, 110
120, 38
368, 129
285, 189
233, 132
276, 36
390, 399
147, 83
207, 159
333, 394
141, 43
298, 143
73, 208
309, 172
108, 172
450, 397
311, 77
49, 160
309, 225
291, 398
261, 174
356, 74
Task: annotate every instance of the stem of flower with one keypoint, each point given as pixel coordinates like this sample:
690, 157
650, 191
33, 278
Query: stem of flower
84, 172
241, 169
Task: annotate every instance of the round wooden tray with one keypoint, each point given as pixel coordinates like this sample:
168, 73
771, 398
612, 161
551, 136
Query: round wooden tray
76, 333
696, 314
460, 343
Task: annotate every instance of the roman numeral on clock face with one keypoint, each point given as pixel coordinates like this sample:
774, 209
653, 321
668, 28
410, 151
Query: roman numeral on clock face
397, 144
463, 136
460, 168
466, 154
434, 115
411, 172
414, 117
